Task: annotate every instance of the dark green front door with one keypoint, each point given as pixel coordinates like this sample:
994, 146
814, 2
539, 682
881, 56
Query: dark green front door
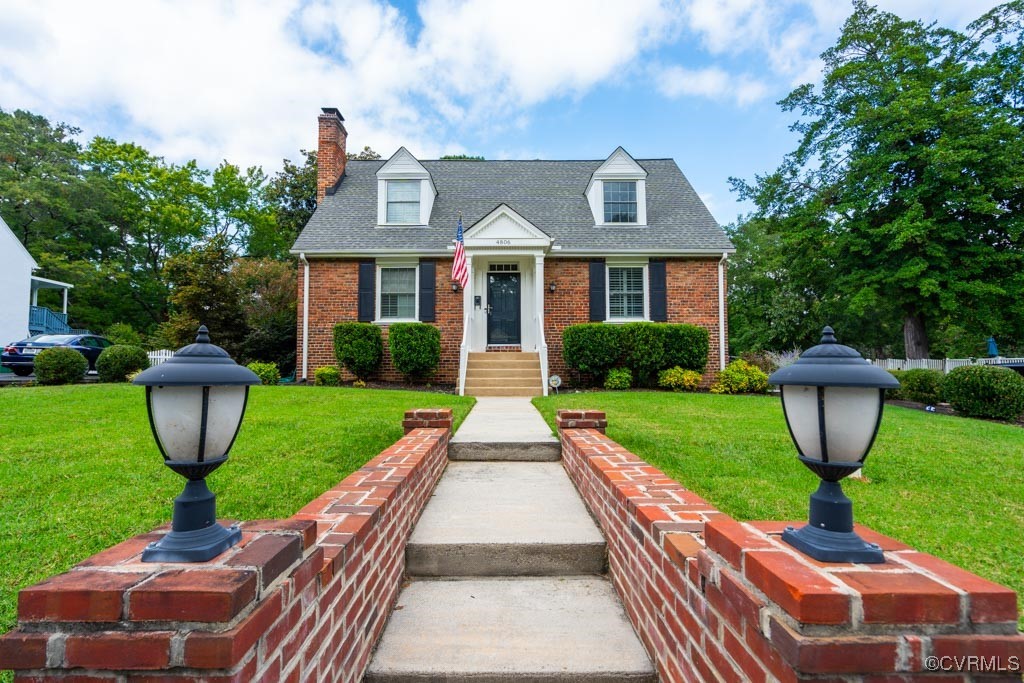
503, 320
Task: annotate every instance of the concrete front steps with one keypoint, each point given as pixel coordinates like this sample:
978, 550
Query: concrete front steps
507, 584
503, 374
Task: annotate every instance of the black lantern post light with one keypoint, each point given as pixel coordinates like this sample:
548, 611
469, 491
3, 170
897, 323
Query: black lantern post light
832, 400
196, 401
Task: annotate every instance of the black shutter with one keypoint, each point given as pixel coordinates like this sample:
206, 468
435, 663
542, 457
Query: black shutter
598, 296
427, 289
658, 291
367, 285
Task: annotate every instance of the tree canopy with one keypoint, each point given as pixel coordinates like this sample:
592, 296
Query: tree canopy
901, 207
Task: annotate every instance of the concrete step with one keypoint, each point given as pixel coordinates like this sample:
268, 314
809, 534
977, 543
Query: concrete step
505, 519
531, 365
502, 373
489, 451
533, 380
508, 355
497, 630
489, 392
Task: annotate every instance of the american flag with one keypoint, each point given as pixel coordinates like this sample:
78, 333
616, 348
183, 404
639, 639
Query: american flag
459, 271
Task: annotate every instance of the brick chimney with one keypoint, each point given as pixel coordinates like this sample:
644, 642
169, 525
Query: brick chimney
330, 151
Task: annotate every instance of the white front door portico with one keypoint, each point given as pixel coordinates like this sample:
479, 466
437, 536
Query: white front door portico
504, 302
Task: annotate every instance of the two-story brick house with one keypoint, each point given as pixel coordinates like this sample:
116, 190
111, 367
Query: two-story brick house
547, 243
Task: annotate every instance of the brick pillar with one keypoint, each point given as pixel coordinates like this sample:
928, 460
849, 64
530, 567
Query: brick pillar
330, 154
427, 418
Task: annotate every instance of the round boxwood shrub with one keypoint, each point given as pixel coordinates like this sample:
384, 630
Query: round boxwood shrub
359, 347
592, 348
686, 346
678, 379
643, 349
740, 377
985, 391
60, 365
327, 376
267, 372
921, 385
415, 348
618, 378
120, 360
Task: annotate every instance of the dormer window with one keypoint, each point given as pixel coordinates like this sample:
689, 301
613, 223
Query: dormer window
403, 201
620, 201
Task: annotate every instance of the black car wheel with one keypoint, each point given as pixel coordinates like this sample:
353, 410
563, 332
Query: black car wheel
22, 372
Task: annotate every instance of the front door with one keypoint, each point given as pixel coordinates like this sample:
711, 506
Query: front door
503, 319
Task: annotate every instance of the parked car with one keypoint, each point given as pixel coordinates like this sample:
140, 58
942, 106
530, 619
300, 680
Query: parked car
20, 356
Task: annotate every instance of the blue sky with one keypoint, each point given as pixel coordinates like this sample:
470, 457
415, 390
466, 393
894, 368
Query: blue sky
694, 80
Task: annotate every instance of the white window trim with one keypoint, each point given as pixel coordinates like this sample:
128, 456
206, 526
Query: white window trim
416, 290
608, 291
383, 208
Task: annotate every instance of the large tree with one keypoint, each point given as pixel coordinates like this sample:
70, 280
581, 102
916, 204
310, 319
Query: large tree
904, 198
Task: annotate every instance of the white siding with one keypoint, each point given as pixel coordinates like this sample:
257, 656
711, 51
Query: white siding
15, 282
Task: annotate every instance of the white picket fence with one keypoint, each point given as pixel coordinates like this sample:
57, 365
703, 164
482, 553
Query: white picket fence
942, 364
158, 357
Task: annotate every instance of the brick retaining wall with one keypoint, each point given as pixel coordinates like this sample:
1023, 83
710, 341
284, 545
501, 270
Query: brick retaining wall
716, 599
298, 599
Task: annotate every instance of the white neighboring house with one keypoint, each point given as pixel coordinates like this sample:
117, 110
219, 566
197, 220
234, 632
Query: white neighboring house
20, 315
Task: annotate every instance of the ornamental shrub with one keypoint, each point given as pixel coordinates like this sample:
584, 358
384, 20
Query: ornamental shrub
678, 379
60, 365
922, 385
415, 348
120, 360
686, 346
643, 349
327, 376
985, 391
359, 347
897, 393
618, 378
593, 348
740, 377
267, 372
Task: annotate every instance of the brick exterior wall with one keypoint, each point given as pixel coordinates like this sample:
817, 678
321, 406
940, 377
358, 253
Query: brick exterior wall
333, 298
714, 599
692, 295
299, 599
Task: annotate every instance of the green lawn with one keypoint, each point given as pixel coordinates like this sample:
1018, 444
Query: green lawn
79, 470
951, 486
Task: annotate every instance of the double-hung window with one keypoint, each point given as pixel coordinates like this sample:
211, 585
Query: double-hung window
403, 201
626, 293
397, 293
620, 201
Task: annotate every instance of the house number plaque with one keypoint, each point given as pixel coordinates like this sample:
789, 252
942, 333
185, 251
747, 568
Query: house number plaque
503, 243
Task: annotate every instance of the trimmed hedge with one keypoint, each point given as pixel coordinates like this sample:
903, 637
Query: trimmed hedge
593, 348
60, 365
618, 378
267, 372
740, 377
359, 347
120, 360
921, 385
985, 391
645, 348
327, 376
897, 393
415, 348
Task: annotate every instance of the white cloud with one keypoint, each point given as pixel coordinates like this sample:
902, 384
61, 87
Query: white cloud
710, 82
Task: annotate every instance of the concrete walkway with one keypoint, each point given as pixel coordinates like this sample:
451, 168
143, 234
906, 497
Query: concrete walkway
506, 571
504, 429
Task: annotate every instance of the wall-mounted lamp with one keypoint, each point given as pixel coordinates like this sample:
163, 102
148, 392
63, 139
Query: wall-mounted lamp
551, 287
455, 286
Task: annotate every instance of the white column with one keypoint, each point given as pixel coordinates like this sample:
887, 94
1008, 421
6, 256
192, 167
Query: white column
64, 306
542, 345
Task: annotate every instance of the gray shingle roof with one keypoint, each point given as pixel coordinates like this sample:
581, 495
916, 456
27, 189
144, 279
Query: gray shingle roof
549, 194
